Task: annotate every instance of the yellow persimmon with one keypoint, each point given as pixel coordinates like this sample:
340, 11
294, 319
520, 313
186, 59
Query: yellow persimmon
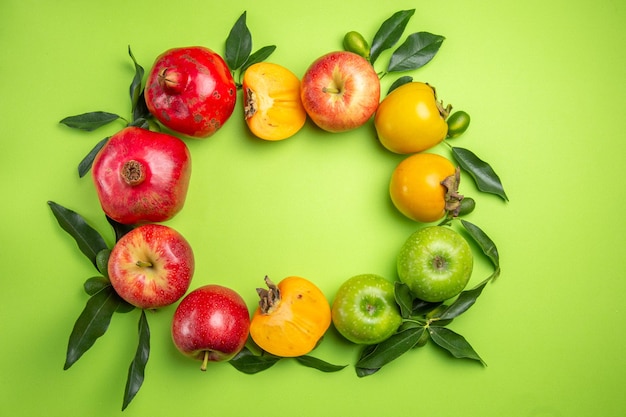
271, 99
291, 317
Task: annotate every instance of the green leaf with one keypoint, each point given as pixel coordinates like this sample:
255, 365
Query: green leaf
454, 343
318, 364
486, 244
485, 177
404, 299
416, 51
238, 44
102, 261
135, 85
89, 241
91, 324
463, 302
259, 56
90, 121
119, 228
249, 363
85, 165
136, 371
372, 359
421, 307
389, 33
95, 284
400, 81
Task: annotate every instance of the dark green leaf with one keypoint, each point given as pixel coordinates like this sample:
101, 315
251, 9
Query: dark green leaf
259, 56
249, 363
416, 51
136, 371
389, 33
404, 299
135, 85
87, 162
463, 302
486, 244
141, 114
318, 364
124, 307
238, 44
400, 81
95, 284
102, 262
89, 241
90, 121
454, 343
388, 350
421, 307
119, 228
91, 324
484, 176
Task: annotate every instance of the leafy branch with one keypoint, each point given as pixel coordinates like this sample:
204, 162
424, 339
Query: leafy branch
91, 121
248, 362
238, 50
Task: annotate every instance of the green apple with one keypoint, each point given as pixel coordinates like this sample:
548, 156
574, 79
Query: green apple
435, 263
365, 311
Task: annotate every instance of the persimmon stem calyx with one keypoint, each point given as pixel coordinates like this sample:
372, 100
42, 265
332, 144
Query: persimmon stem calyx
268, 297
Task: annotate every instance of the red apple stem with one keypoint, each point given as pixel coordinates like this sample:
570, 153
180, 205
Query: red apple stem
205, 361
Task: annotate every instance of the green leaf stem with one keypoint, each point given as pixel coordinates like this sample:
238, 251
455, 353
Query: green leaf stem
90, 121
91, 324
95, 284
85, 165
486, 245
454, 343
375, 357
485, 177
400, 81
136, 371
463, 302
238, 44
320, 365
418, 50
89, 241
249, 363
135, 85
259, 56
403, 298
389, 33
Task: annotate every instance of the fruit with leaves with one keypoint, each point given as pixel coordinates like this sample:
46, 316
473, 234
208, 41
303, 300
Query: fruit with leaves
364, 310
340, 91
142, 176
424, 187
291, 317
436, 263
410, 119
271, 100
151, 266
211, 324
191, 91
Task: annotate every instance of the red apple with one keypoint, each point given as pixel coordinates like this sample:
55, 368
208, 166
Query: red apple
211, 324
151, 266
191, 91
142, 176
340, 91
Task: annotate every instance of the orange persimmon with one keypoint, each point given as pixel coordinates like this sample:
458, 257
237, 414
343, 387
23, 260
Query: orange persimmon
291, 317
271, 99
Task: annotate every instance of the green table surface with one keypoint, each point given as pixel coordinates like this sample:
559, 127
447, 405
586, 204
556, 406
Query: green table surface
544, 82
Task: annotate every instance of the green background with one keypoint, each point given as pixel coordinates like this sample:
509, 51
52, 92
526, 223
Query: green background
544, 84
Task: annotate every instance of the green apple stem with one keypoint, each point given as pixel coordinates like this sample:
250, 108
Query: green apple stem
205, 361
144, 264
331, 90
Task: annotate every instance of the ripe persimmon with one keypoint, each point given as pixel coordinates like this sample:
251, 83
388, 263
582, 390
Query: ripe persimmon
291, 317
271, 99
